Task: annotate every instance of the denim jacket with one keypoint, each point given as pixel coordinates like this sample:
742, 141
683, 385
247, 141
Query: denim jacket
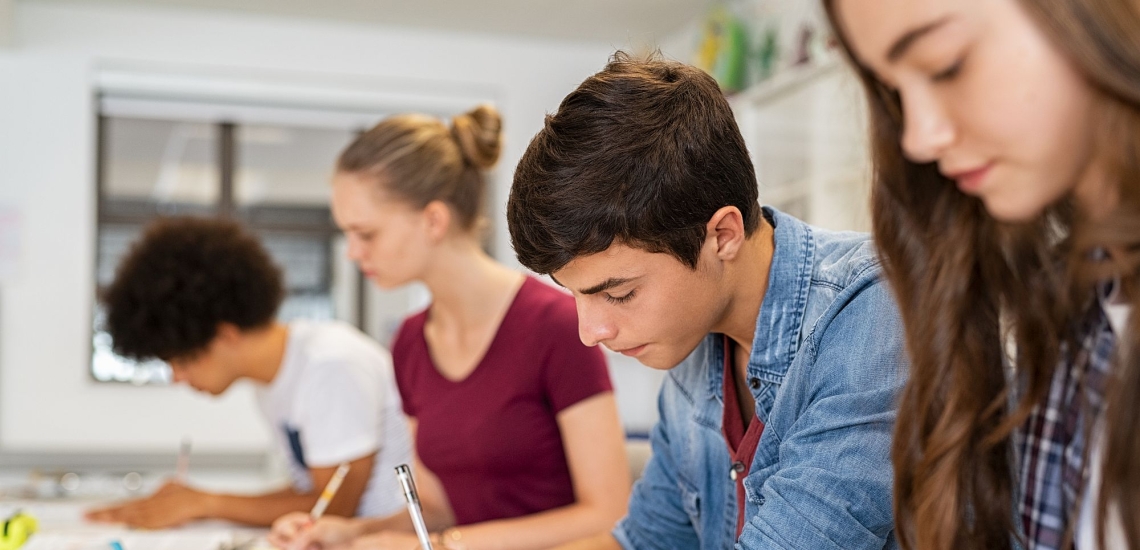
829, 361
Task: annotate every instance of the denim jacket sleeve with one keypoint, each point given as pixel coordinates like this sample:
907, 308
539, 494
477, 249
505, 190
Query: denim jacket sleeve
657, 517
831, 486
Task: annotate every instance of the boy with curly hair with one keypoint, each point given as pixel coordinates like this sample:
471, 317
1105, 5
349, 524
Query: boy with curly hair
202, 294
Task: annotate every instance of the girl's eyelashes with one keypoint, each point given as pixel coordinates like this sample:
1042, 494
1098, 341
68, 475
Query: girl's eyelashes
949, 73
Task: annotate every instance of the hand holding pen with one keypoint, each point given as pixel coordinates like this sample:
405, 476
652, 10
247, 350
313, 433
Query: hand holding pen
299, 530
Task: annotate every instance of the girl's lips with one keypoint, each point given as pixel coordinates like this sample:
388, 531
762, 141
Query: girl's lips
970, 181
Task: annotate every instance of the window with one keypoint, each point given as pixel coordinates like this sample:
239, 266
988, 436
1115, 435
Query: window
271, 177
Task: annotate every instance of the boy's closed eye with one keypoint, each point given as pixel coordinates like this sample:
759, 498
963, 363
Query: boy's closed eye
620, 299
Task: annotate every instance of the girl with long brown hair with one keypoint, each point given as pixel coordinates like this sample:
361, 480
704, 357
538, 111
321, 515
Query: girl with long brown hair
1006, 205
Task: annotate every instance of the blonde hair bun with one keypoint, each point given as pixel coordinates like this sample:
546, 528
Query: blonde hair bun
478, 133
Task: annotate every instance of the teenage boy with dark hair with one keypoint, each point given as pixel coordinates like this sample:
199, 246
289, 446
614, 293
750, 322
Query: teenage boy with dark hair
202, 295
783, 345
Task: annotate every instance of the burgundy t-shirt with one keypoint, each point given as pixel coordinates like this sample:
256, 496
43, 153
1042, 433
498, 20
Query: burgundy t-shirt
493, 438
742, 441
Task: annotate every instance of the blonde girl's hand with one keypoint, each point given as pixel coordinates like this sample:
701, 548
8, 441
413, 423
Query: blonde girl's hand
387, 540
296, 531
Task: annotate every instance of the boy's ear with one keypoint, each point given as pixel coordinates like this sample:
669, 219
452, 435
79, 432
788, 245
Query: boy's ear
228, 333
725, 230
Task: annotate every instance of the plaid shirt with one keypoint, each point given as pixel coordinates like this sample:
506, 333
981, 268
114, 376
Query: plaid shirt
1052, 444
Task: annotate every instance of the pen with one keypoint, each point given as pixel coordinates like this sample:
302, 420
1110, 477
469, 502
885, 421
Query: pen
329, 492
183, 466
404, 474
116, 545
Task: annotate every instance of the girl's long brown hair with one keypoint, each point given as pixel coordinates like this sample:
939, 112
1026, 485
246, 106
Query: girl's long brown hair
967, 284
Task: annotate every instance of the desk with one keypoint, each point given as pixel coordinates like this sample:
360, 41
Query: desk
61, 527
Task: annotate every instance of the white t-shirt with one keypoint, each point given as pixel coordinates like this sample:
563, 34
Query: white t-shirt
1117, 311
334, 400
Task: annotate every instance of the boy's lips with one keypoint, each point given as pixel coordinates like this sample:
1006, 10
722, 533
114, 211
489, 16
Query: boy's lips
631, 352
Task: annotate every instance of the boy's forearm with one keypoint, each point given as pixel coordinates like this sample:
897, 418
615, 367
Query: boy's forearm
258, 510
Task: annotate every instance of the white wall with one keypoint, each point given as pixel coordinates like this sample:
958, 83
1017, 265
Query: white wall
47, 400
805, 127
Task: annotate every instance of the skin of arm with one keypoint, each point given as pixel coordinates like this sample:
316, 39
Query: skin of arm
175, 503
603, 541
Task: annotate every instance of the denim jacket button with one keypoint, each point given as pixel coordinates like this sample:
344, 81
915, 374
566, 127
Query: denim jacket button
754, 383
736, 470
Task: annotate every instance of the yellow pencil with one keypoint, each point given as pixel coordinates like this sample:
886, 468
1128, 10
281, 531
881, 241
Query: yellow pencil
329, 492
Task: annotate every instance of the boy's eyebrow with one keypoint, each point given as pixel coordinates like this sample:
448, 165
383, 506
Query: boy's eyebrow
606, 285
900, 47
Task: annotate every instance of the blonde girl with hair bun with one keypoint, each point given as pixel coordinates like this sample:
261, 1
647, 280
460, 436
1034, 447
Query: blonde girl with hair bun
517, 439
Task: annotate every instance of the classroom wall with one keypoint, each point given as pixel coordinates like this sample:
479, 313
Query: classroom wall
48, 403
805, 126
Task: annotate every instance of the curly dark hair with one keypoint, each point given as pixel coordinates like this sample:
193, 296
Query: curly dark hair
182, 278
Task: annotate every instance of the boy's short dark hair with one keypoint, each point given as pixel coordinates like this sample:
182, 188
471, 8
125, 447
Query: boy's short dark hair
644, 153
182, 278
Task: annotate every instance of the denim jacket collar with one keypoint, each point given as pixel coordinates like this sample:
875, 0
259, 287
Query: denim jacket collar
825, 370
778, 325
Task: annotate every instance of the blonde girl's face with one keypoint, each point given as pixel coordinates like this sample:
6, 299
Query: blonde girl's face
986, 96
388, 239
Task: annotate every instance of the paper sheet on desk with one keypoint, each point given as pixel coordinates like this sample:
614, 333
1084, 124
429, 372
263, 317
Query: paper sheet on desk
158, 540
62, 527
49, 514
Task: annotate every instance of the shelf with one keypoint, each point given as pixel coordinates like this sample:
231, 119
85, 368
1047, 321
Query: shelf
783, 83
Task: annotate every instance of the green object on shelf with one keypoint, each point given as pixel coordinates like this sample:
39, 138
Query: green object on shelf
723, 51
767, 53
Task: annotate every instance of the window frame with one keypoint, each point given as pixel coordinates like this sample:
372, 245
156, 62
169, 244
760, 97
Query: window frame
317, 224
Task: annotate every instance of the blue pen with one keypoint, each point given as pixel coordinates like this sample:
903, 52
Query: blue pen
116, 545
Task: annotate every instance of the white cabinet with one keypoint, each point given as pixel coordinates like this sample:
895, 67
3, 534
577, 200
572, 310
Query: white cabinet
806, 132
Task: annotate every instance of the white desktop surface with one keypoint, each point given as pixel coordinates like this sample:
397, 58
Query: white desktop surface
62, 527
